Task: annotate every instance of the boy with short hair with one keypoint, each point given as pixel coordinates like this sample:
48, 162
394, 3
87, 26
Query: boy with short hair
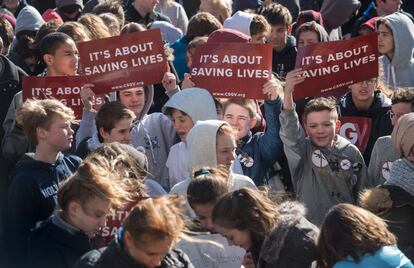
396, 44
384, 153
257, 152
36, 178
114, 122
60, 55
284, 45
326, 168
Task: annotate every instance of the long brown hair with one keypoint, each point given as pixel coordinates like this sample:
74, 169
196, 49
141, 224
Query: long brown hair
348, 230
246, 209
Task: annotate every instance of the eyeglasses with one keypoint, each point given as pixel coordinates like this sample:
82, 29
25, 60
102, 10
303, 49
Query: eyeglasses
369, 82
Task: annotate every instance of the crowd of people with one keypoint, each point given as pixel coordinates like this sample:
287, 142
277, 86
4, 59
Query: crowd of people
156, 166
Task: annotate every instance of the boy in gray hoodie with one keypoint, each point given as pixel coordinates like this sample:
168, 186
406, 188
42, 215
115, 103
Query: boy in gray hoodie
396, 44
326, 168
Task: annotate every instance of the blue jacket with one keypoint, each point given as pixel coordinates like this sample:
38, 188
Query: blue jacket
33, 197
265, 148
385, 257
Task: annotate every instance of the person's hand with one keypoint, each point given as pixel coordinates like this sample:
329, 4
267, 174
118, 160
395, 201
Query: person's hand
271, 89
292, 79
187, 83
248, 261
19, 116
169, 81
87, 96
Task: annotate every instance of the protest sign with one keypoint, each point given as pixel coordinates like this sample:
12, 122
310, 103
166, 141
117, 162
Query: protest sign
125, 61
211, 250
232, 70
64, 88
332, 65
357, 130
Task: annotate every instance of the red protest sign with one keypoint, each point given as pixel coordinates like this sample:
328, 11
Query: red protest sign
232, 70
125, 61
357, 130
64, 88
332, 65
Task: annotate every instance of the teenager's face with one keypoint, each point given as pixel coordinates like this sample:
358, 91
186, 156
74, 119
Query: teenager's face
182, 124
133, 99
235, 237
278, 36
385, 40
204, 212
59, 136
363, 91
307, 38
389, 6
321, 128
398, 110
120, 133
239, 119
90, 217
65, 60
150, 254
225, 150
260, 38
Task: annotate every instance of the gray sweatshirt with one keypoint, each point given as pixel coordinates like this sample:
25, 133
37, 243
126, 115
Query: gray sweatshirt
382, 156
321, 177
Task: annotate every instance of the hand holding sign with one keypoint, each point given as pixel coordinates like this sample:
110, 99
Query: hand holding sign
87, 96
169, 81
293, 78
271, 89
187, 83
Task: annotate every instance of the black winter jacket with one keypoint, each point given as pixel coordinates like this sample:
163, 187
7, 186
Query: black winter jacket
51, 246
114, 256
292, 243
379, 114
32, 198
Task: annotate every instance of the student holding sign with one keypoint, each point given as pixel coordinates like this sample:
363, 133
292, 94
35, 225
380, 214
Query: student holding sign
366, 99
153, 132
326, 168
257, 152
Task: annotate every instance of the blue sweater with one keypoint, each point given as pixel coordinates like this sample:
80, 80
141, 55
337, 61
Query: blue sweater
385, 257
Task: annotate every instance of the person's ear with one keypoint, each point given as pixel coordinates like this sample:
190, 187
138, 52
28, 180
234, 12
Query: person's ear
41, 133
337, 126
73, 209
253, 122
289, 28
103, 133
128, 239
48, 59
